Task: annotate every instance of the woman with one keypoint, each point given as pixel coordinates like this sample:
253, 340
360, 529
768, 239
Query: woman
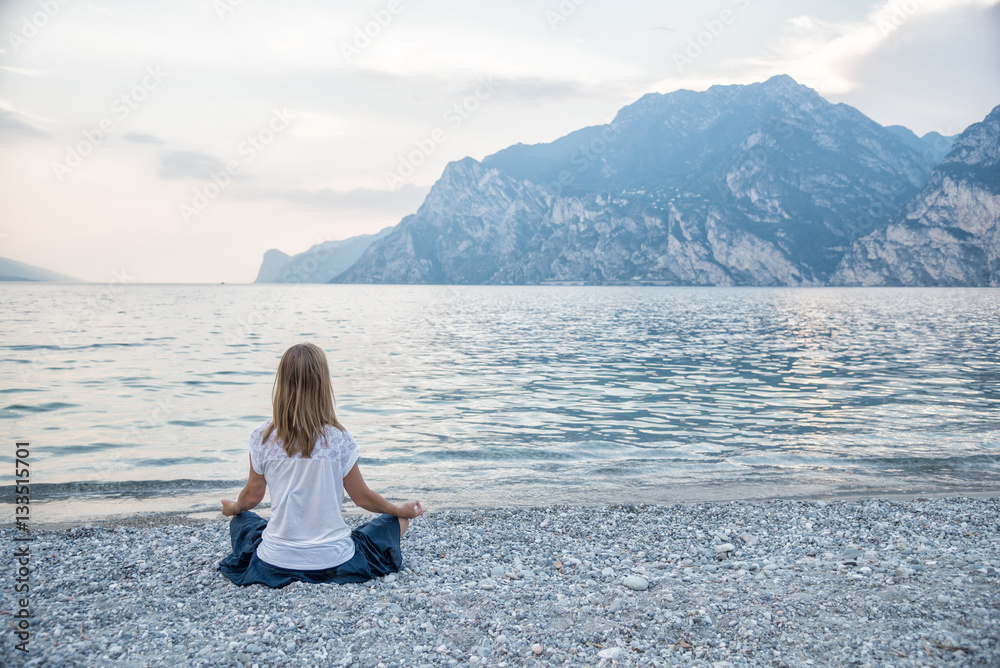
309, 460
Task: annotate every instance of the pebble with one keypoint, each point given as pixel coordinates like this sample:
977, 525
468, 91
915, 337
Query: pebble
465, 597
610, 653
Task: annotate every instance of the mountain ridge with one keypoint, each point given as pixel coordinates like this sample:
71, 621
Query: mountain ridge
762, 184
949, 233
12, 270
319, 263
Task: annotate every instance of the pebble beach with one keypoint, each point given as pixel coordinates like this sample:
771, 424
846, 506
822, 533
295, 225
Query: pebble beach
868, 582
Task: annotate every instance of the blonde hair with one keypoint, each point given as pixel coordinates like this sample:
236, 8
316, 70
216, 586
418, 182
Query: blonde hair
302, 400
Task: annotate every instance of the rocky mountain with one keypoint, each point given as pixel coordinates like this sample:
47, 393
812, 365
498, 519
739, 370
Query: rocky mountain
12, 270
274, 261
318, 264
764, 184
949, 233
933, 145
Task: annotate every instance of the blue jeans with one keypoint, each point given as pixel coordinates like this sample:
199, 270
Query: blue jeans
376, 553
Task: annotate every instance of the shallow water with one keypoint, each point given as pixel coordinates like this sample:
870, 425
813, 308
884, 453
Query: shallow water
469, 395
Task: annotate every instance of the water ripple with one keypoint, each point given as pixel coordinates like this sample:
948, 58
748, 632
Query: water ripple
522, 393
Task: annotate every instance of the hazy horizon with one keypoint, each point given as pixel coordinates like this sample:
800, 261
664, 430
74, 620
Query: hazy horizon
313, 106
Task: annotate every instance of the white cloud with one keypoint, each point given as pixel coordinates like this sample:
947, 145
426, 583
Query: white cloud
312, 124
28, 72
821, 54
99, 10
31, 119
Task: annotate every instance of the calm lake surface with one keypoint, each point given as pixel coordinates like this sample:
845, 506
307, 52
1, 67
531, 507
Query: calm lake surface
141, 397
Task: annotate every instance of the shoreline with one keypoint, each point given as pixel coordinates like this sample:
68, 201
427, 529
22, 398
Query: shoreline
183, 518
871, 581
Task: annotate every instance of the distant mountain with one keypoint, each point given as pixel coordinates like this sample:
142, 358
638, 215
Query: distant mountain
319, 264
764, 184
933, 145
270, 268
12, 270
949, 233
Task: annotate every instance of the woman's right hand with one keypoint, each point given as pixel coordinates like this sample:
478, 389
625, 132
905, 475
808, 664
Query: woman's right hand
410, 509
229, 508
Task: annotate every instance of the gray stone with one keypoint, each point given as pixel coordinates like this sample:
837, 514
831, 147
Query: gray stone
636, 583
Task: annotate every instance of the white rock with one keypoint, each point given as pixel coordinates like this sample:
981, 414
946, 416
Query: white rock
725, 547
636, 583
610, 653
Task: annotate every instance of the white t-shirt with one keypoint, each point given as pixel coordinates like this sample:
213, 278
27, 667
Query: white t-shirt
306, 530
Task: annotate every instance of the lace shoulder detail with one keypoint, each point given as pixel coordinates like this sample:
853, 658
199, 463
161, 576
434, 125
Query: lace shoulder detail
333, 444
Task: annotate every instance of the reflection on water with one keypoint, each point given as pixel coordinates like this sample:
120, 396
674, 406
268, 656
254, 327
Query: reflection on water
520, 394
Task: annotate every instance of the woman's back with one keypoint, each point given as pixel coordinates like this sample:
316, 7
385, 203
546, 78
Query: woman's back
306, 530
308, 459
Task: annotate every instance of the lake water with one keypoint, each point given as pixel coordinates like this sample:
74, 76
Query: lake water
140, 397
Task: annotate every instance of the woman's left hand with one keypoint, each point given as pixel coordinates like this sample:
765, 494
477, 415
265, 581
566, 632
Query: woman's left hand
410, 509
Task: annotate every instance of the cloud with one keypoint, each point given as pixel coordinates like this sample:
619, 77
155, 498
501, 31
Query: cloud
537, 89
140, 138
26, 71
823, 55
189, 165
99, 10
399, 202
18, 122
11, 124
532, 89
311, 124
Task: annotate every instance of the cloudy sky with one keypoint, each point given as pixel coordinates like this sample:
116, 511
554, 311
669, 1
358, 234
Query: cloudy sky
176, 142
